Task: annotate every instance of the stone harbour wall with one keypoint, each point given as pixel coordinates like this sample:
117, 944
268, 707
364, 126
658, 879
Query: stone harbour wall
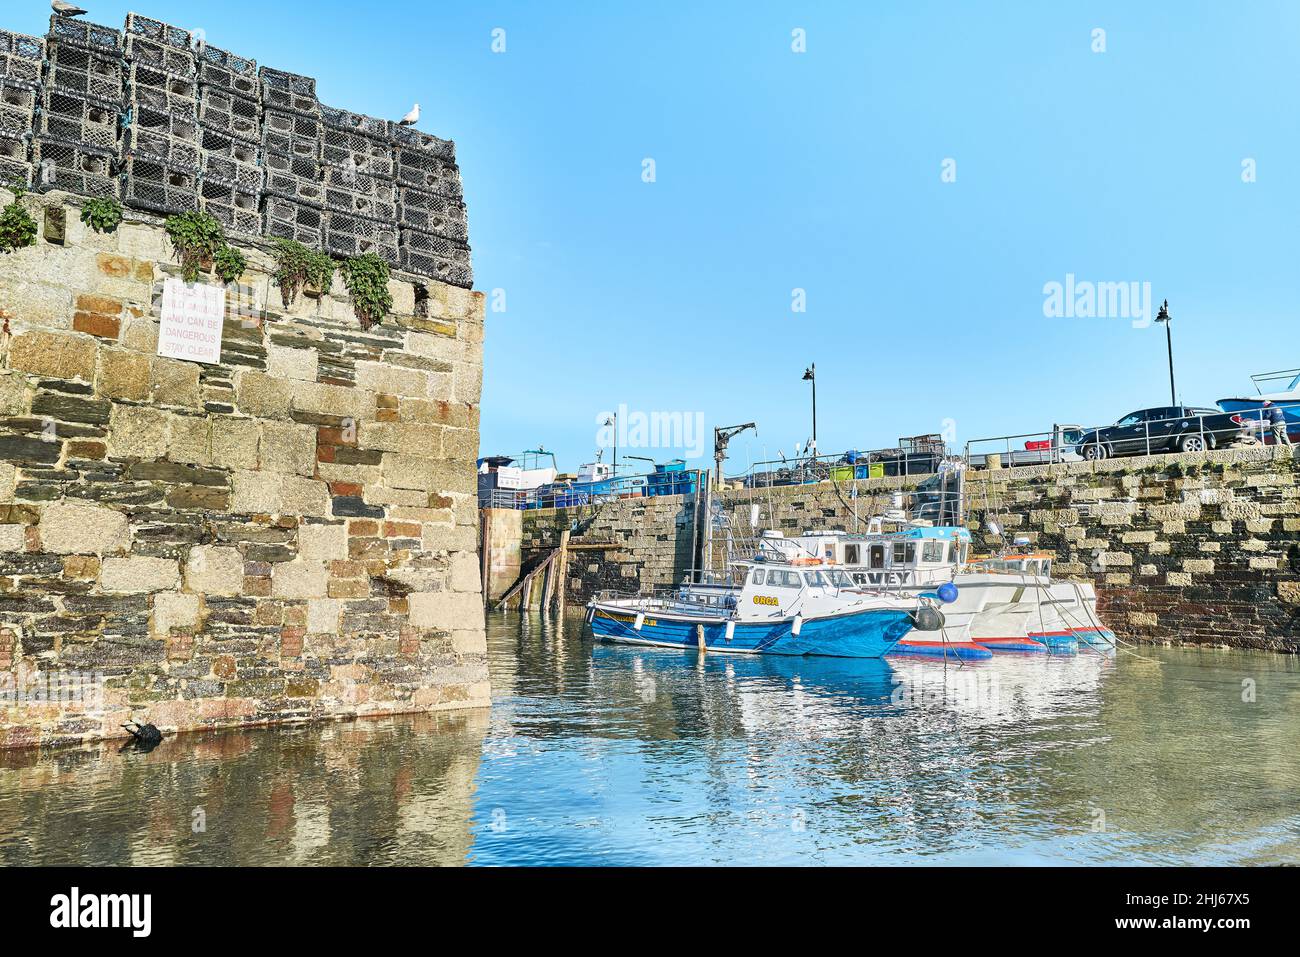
289, 534
1190, 548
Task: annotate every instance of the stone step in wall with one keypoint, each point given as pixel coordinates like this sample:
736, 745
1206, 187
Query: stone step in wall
288, 534
1194, 548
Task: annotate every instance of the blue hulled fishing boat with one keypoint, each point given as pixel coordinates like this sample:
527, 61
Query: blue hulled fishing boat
771, 609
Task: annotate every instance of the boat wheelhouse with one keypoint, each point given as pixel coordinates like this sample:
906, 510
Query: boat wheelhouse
772, 607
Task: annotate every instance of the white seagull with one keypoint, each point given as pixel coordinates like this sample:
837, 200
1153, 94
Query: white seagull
65, 9
410, 119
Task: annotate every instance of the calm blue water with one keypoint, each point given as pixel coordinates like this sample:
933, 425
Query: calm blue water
613, 755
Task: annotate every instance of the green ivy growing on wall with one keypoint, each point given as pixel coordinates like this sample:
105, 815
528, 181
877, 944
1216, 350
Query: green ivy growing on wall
196, 238
230, 264
297, 267
17, 228
102, 215
367, 280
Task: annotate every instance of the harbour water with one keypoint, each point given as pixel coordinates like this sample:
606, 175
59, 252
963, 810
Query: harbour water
599, 754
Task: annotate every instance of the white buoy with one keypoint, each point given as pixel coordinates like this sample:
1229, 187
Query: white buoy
797, 625
640, 620
731, 630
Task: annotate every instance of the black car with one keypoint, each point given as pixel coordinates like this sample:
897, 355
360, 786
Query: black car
1169, 429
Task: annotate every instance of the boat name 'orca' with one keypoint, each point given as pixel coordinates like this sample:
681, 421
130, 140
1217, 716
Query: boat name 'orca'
134, 911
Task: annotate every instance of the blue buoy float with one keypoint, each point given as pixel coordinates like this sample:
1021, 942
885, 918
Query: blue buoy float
948, 593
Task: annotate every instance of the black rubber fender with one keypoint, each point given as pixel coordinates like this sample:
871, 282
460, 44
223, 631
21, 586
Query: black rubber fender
928, 618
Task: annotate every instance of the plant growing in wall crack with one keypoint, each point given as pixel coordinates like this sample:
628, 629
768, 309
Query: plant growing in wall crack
102, 215
230, 264
17, 228
196, 238
297, 267
367, 280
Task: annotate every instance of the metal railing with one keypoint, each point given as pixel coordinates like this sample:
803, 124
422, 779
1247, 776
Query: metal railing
574, 494
1147, 437
901, 460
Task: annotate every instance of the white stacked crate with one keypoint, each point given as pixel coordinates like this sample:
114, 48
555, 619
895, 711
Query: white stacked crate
21, 59
76, 146
360, 185
161, 142
431, 209
230, 123
293, 192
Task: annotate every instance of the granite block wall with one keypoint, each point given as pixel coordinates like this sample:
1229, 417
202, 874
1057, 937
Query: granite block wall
285, 535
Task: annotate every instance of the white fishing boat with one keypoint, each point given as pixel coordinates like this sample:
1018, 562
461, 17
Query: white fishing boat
774, 607
1002, 603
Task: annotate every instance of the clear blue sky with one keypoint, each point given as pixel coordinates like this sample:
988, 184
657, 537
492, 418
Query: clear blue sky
821, 171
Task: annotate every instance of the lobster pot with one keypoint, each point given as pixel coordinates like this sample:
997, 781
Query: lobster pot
294, 136
93, 73
427, 172
160, 33
289, 92
163, 91
435, 267
17, 110
75, 168
351, 203
168, 136
15, 161
410, 137
305, 192
358, 153
234, 208
160, 188
82, 33
432, 245
76, 119
180, 64
431, 213
228, 71
239, 153
286, 219
347, 235
229, 113
21, 59
220, 166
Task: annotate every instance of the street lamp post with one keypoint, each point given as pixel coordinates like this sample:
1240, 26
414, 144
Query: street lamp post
810, 375
612, 421
1163, 316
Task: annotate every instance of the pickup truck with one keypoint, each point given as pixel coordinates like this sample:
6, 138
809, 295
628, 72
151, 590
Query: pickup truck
1038, 449
1166, 429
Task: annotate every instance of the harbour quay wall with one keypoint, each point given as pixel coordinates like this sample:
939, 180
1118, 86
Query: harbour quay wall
1190, 548
284, 535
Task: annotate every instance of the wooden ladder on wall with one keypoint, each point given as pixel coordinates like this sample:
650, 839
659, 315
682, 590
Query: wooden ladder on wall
552, 571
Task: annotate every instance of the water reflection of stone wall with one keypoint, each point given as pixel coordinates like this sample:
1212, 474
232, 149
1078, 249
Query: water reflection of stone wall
379, 791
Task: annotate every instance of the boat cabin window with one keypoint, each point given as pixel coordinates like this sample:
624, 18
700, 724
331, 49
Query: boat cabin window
814, 579
783, 579
840, 579
932, 551
877, 556
961, 552
758, 576
904, 553
852, 554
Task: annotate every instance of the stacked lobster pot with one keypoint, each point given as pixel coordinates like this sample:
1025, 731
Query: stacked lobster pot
76, 143
293, 193
161, 139
21, 59
360, 185
431, 209
230, 125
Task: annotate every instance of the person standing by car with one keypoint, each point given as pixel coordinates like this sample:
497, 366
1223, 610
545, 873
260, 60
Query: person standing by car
1277, 419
